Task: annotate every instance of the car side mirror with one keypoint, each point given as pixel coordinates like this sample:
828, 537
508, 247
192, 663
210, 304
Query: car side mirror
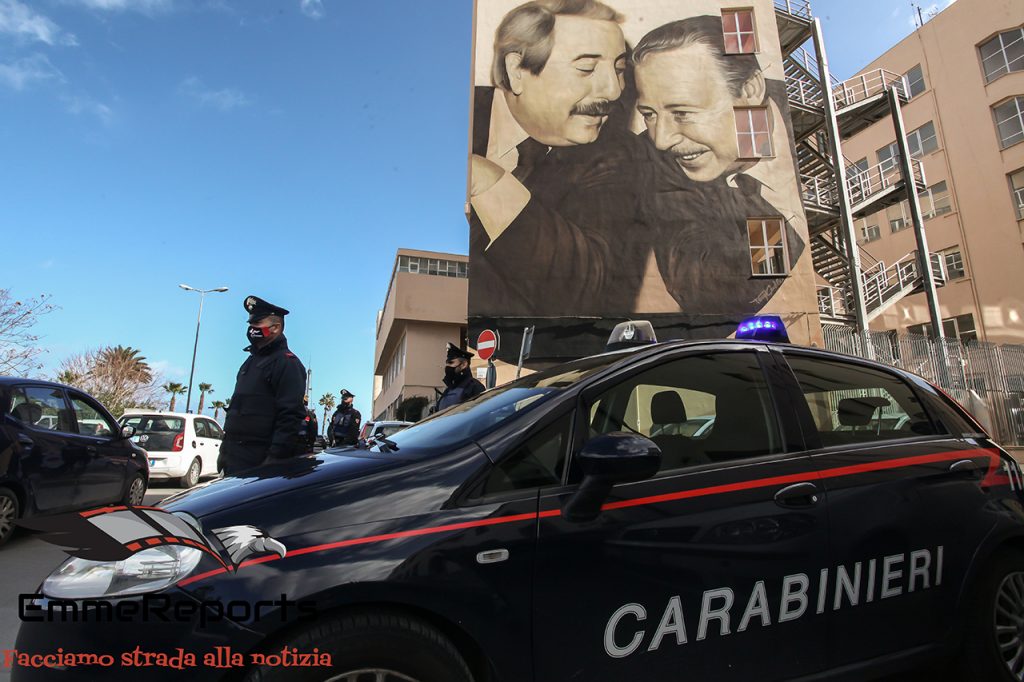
127, 431
608, 459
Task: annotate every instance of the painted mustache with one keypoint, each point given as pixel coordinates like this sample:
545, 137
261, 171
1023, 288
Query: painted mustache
598, 108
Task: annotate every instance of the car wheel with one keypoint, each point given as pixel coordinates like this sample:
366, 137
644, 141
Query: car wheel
136, 491
191, 476
370, 646
9, 511
994, 643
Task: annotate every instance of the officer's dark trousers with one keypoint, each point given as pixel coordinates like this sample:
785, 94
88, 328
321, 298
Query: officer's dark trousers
238, 456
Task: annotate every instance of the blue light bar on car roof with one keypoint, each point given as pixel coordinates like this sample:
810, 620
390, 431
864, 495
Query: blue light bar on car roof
763, 328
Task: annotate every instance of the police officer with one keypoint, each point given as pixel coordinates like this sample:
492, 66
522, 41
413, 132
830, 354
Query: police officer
266, 414
345, 421
312, 427
460, 385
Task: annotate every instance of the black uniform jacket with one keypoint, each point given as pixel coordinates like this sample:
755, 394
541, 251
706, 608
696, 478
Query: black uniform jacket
464, 388
266, 417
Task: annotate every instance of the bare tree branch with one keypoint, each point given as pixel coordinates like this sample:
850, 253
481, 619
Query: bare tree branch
19, 349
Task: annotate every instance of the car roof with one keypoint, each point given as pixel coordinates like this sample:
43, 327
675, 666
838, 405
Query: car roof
135, 412
14, 381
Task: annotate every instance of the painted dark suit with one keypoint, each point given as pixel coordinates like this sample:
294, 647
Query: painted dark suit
561, 253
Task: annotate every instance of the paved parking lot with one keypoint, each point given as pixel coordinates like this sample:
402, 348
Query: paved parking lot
24, 561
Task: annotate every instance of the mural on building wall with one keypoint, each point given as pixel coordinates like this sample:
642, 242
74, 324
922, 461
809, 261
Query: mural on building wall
631, 158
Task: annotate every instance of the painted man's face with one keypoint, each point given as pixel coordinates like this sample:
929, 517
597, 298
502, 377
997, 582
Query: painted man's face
686, 104
568, 102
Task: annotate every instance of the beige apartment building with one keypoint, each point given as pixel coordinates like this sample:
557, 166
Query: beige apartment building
963, 72
424, 309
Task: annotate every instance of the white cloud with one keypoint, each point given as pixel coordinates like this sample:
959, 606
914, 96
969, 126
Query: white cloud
144, 6
168, 370
28, 70
226, 99
314, 9
84, 105
22, 22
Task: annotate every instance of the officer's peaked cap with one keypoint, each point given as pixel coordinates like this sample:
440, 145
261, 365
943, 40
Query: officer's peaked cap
345, 393
454, 352
258, 308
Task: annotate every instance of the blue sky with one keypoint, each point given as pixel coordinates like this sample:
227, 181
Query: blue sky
284, 149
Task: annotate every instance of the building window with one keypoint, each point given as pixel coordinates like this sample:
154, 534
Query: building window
738, 28
433, 266
1003, 54
954, 264
922, 141
753, 133
898, 216
1017, 192
1010, 121
889, 157
868, 233
767, 246
960, 327
914, 80
935, 201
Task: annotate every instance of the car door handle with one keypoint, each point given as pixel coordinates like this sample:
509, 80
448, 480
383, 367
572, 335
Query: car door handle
803, 494
25, 440
193, 445
966, 466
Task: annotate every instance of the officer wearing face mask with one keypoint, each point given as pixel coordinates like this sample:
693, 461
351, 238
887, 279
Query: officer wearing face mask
460, 385
266, 418
345, 421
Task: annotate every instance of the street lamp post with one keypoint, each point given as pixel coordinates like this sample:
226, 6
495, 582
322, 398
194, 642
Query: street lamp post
202, 296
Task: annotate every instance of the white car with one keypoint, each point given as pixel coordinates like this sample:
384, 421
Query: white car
181, 447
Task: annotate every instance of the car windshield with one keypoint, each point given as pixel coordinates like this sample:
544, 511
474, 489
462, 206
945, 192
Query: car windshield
154, 423
474, 418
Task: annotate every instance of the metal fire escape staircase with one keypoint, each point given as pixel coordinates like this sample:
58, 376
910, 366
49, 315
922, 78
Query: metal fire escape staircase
858, 103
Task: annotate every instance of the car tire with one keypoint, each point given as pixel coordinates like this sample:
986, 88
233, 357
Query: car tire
191, 476
387, 646
995, 622
135, 492
9, 513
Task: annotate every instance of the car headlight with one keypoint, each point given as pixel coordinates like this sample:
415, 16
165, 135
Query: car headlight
146, 571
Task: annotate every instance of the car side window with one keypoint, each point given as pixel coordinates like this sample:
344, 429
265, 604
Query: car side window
201, 429
42, 408
852, 404
214, 430
91, 421
536, 463
697, 410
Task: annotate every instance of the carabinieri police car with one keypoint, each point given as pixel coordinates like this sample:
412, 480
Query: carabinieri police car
713, 510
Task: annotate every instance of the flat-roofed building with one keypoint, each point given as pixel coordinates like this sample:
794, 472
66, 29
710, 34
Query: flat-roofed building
424, 309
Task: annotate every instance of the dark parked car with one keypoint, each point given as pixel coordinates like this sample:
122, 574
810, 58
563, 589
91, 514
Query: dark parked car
565, 527
60, 450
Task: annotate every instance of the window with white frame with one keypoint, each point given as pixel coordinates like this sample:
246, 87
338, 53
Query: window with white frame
433, 266
935, 201
954, 261
898, 216
753, 133
960, 327
1017, 192
922, 141
868, 233
914, 80
889, 157
1009, 118
767, 246
738, 30
1003, 54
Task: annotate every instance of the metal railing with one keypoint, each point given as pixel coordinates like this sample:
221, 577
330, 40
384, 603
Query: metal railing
819, 190
798, 8
887, 283
986, 378
809, 62
862, 186
803, 90
865, 86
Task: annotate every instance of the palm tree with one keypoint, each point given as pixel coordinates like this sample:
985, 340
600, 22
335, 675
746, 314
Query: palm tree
217, 406
203, 390
128, 361
174, 389
327, 400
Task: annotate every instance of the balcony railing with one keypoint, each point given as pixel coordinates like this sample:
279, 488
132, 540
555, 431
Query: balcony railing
887, 283
798, 8
865, 86
819, 191
804, 90
870, 182
809, 63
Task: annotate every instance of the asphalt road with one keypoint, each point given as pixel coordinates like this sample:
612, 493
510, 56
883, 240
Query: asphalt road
25, 561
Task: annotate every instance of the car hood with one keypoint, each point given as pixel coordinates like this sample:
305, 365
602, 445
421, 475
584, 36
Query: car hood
283, 476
